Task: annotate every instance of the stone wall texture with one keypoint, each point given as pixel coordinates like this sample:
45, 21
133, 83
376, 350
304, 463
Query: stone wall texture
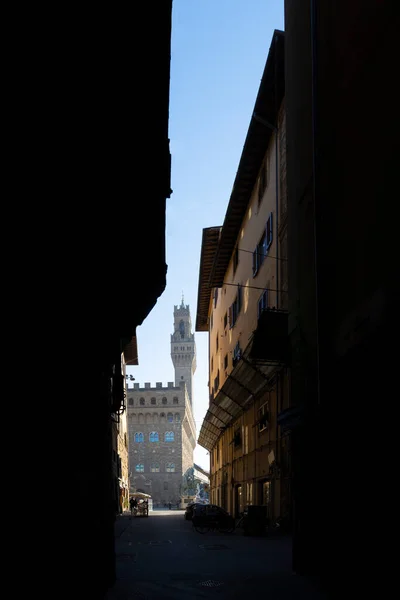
156, 464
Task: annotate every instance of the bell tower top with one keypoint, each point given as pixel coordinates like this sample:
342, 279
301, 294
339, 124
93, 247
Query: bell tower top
183, 347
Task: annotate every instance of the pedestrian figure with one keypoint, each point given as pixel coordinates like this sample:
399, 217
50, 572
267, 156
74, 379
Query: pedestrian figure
133, 505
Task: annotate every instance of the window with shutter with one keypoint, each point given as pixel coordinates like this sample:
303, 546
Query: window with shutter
262, 303
260, 252
215, 297
236, 354
269, 231
255, 263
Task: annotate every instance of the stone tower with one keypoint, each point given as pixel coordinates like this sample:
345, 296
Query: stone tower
162, 431
183, 348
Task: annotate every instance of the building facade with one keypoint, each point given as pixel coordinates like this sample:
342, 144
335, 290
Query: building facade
161, 427
120, 457
242, 302
342, 289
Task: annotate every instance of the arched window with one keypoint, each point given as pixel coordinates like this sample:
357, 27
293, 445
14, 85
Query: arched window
162, 416
139, 468
153, 401
141, 401
164, 400
170, 467
130, 401
153, 437
149, 418
139, 437
176, 401
170, 418
169, 436
177, 417
155, 467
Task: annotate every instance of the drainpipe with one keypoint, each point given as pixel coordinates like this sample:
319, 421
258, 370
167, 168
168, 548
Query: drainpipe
276, 173
314, 166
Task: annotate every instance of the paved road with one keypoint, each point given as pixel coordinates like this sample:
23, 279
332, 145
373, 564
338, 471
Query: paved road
163, 557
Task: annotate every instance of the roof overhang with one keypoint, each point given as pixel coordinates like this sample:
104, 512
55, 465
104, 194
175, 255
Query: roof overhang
266, 109
131, 352
208, 249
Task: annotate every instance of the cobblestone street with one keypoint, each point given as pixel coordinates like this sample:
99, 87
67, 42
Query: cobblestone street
164, 557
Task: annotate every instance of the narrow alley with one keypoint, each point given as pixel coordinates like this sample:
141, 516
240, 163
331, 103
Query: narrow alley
164, 557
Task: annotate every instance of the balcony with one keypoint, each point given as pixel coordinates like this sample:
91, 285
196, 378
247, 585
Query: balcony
270, 340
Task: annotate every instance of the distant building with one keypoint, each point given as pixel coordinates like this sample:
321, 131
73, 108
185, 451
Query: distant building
202, 479
120, 465
162, 434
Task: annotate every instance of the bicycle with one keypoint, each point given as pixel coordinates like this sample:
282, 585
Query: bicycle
241, 521
205, 525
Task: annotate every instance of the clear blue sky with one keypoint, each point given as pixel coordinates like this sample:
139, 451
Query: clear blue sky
219, 49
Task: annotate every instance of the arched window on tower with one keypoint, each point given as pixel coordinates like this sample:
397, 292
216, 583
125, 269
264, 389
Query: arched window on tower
169, 436
177, 417
170, 467
153, 436
155, 467
139, 468
130, 401
176, 400
170, 418
182, 328
139, 437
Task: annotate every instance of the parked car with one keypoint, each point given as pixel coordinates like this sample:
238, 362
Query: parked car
188, 514
206, 516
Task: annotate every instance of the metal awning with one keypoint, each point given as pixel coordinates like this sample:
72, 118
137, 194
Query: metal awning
246, 380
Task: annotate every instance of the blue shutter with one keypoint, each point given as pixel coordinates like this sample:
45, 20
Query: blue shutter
265, 299
255, 262
269, 231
